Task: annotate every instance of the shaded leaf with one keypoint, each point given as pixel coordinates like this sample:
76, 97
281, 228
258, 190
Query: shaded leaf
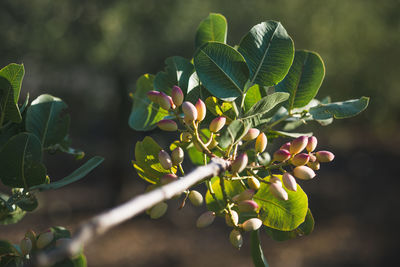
291, 135
233, 133
339, 110
8, 108
20, 162
195, 155
9, 215
220, 108
46, 118
213, 28
145, 113
256, 251
303, 80
76, 175
222, 70
268, 51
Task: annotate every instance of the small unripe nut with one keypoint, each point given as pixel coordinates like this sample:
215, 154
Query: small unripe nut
177, 156
303, 173
190, 112
261, 143
177, 95
311, 143
285, 146
289, 181
314, 165
153, 96
254, 183
168, 178
196, 198
186, 137
298, 144
312, 157
165, 160
235, 218
247, 206
252, 224
164, 101
240, 163
277, 190
167, 125
201, 110
324, 156
281, 155
44, 239
205, 219
300, 159
236, 239
217, 124
158, 210
245, 195
251, 134
25, 246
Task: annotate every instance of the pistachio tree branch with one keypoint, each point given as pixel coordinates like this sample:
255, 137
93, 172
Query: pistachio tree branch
103, 222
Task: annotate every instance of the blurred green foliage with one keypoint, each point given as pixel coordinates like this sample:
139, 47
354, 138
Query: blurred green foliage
122, 39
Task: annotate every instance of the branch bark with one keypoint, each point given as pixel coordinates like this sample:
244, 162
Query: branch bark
103, 222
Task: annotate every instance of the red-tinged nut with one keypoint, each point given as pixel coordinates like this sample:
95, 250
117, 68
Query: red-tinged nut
311, 143
252, 224
300, 159
240, 163
186, 137
164, 101
177, 95
324, 156
153, 96
261, 143
247, 206
232, 220
217, 124
281, 155
314, 165
277, 191
167, 125
171, 102
275, 179
313, 158
158, 210
44, 239
205, 219
25, 246
245, 195
298, 144
168, 178
196, 198
236, 239
254, 183
285, 146
177, 156
251, 134
190, 112
289, 181
303, 173
201, 110
165, 159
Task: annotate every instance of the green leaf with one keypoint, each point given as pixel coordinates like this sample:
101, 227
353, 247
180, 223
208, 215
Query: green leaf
268, 51
20, 162
9, 215
78, 261
11, 261
233, 133
8, 108
76, 175
25, 200
147, 165
303, 80
280, 214
339, 110
177, 72
220, 108
222, 70
145, 113
253, 95
195, 90
14, 73
291, 135
195, 155
232, 188
305, 228
60, 232
256, 251
264, 109
213, 28
65, 146
6, 248
46, 118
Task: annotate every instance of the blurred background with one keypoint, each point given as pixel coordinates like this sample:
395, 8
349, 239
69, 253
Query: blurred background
90, 53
